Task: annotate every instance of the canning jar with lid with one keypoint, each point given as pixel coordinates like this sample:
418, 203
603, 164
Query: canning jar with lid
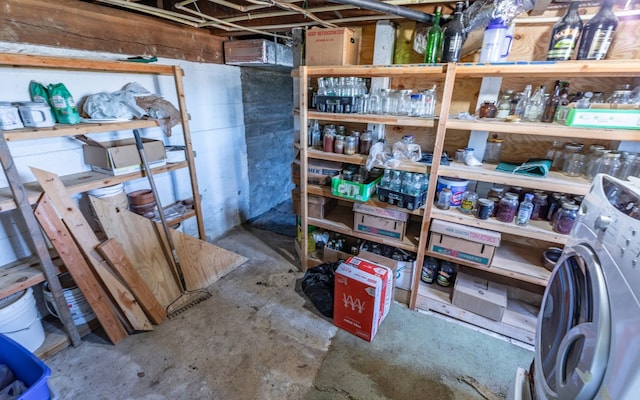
366, 141
350, 145
338, 144
569, 150
611, 163
507, 207
539, 211
468, 203
565, 218
492, 150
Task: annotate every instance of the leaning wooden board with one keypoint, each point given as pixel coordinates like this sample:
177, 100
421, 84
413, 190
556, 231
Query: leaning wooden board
87, 241
81, 272
202, 263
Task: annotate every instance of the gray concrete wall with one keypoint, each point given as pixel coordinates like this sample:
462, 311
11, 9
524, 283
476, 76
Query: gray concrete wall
267, 97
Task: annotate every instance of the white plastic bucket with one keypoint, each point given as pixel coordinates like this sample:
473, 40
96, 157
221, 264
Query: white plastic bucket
19, 319
457, 186
79, 308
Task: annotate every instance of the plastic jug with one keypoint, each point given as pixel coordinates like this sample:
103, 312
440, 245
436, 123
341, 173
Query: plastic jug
496, 42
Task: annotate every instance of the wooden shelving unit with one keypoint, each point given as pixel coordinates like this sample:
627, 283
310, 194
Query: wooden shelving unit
25, 273
514, 261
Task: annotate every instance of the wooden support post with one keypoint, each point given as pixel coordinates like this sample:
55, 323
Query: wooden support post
37, 240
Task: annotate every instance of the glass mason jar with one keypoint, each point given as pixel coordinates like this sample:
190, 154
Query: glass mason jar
507, 207
328, 140
338, 144
496, 191
593, 163
492, 150
350, 145
504, 104
366, 141
565, 218
611, 163
468, 203
539, 211
388, 102
574, 164
372, 105
554, 153
417, 105
444, 199
628, 162
356, 134
404, 102
569, 149
429, 97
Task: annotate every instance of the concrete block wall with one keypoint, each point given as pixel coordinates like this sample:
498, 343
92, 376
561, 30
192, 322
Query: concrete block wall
267, 97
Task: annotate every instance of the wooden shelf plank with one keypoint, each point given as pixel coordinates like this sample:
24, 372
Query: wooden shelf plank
542, 129
25, 60
340, 220
561, 69
325, 191
361, 159
61, 130
554, 182
540, 230
518, 321
395, 70
513, 261
374, 119
82, 182
20, 275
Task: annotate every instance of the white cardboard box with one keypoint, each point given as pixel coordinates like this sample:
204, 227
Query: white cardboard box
383, 272
484, 236
480, 296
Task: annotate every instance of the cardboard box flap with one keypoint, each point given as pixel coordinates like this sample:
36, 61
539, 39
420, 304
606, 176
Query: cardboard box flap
380, 212
484, 236
114, 154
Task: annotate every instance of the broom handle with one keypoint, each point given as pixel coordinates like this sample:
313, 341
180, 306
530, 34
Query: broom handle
163, 218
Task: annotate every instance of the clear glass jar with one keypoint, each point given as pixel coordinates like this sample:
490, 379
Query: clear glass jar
628, 162
372, 103
574, 164
388, 102
356, 135
611, 163
594, 164
350, 145
444, 199
569, 150
555, 153
404, 102
565, 218
504, 104
468, 203
492, 150
507, 207
417, 105
429, 97
366, 141
459, 157
620, 97
338, 144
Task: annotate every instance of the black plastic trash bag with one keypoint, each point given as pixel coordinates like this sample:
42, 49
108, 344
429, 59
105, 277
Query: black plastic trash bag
317, 284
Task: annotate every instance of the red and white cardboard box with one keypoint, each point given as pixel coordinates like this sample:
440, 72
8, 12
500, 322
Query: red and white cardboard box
383, 272
356, 303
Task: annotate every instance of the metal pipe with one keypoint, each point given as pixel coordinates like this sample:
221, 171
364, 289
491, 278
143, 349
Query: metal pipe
376, 5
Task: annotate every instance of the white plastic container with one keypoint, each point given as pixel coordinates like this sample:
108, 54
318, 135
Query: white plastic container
457, 186
36, 115
19, 320
9, 116
496, 42
79, 308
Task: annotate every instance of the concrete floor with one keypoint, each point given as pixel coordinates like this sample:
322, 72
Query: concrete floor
258, 337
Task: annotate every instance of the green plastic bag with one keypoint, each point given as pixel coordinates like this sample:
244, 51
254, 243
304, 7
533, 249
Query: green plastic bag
64, 107
39, 94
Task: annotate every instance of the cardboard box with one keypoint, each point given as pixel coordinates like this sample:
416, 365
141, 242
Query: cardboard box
332, 46
402, 270
461, 249
319, 172
379, 221
333, 255
118, 157
480, 296
466, 232
353, 190
596, 117
356, 301
382, 272
257, 53
318, 206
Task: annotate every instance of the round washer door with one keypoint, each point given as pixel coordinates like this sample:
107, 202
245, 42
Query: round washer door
574, 328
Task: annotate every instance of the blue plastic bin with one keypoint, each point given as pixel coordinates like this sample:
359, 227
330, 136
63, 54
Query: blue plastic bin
26, 367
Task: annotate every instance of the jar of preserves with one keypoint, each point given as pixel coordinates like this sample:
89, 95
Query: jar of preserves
488, 109
468, 203
496, 203
565, 218
539, 211
507, 207
350, 145
484, 208
328, 141
496, 191
366, 141
338, 144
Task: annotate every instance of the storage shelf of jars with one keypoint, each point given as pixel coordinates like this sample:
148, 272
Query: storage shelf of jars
426, 122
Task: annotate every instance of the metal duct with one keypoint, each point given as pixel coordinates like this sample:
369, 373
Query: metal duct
376, 5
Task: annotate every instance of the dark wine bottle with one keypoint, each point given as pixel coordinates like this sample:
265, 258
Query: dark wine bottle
434, 39
453, 36
598, 34
552, 104
565, 34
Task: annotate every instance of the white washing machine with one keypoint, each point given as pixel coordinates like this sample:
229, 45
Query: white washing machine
588, 334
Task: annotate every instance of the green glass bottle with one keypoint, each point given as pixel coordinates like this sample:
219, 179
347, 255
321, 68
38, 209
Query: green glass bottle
434, 39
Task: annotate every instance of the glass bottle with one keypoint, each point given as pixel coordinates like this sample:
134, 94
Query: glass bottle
444, 199
535, 107
492, 150
338, 144
407, 182
565, 217
507, 207
416, 185
429, 97
417, 105
504, 104
584, 102
628, 161
555, 153
570, 149
366, 141
350, 145
388, 102
396, 181
315, 134
404, 102
328, 141
488, 109
385, 182
552, 104
434, 39
468, 203
597, 34
523, 102
453, 36
525, 210
565, 33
